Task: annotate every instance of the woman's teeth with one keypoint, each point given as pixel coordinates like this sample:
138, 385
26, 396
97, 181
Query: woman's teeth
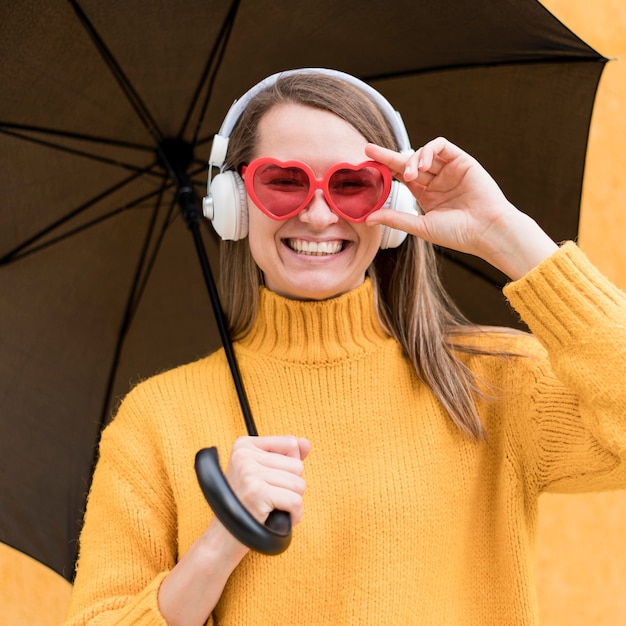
315, 248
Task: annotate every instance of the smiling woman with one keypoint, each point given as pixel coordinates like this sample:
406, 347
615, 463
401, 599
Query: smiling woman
423, 441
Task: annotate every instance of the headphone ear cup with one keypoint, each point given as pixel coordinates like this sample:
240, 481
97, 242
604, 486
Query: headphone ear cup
400, 199
229, 202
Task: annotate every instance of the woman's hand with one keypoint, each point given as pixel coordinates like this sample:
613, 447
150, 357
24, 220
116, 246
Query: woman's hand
464, 209
266, 474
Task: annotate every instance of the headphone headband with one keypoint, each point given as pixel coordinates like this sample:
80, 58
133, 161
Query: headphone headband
220, 141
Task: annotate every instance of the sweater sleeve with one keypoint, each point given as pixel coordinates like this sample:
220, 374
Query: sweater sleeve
580, 318
128, 542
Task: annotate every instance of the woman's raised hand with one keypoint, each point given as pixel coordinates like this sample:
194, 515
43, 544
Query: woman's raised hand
464, 209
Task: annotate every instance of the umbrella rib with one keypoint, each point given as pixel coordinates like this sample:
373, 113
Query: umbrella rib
131, 305
129, 91
210, 71
76, 152
597, 58
122, 80
204, 140
168, 220
21, 251
141, 286
201, 168
87, 225
72, 135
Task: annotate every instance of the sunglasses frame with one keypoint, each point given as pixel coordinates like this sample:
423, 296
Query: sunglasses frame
248, 172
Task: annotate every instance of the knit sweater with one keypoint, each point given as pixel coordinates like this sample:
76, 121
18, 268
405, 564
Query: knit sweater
406, 519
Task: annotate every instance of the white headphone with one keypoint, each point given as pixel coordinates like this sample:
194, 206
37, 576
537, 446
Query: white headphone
226, 201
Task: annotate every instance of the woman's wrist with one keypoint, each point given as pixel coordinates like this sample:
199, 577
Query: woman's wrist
190, 592
520, 246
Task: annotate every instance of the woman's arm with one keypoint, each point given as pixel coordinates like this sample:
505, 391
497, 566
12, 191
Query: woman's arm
127, 568
266, 474
574, 311
577, 427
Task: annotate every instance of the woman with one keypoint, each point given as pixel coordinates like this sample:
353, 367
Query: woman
430, 439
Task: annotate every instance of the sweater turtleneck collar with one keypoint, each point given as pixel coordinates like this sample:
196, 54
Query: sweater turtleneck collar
319, 331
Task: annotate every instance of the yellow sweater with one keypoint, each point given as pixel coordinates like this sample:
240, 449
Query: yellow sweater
407, 521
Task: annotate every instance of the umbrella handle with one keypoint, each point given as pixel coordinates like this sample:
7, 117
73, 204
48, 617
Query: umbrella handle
272, 538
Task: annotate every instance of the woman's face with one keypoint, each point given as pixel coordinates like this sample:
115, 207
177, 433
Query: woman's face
316, 254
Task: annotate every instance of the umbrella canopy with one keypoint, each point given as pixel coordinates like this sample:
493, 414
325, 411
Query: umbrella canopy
99, 278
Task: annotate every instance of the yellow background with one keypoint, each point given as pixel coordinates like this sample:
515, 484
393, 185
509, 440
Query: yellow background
581, 566
582, 539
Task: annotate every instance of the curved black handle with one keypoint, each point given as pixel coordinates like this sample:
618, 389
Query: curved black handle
272, 538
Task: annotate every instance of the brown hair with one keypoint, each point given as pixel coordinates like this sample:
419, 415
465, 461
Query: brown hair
410, 300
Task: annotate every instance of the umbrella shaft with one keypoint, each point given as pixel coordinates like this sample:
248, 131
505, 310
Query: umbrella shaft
189, 206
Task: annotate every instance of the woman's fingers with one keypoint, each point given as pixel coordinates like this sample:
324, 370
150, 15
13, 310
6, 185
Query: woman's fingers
412, 224
401, 165
291, 446
395, 161
420, 167
266, 474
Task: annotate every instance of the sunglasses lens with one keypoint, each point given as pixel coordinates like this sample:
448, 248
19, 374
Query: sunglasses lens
281, 190
357, 192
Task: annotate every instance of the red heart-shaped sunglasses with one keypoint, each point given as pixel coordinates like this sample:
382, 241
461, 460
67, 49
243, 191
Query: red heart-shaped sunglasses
283, 189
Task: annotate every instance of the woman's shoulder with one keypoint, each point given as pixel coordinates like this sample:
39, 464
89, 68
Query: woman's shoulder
155, 407
175, 386
178, 376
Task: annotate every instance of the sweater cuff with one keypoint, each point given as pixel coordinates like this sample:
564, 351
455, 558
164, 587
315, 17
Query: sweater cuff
565, 296
144, 610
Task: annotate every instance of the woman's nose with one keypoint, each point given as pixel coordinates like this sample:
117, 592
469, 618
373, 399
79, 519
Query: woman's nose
318, 213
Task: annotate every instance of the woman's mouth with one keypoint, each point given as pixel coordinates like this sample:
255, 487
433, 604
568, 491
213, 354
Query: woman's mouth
315, 248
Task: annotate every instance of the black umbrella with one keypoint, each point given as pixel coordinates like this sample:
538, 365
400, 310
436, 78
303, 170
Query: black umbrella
99, 277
